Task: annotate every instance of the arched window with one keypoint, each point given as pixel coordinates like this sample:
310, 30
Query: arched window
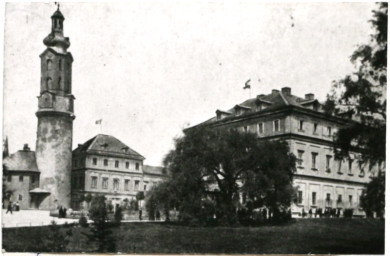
48, 64
60, 64
49, 84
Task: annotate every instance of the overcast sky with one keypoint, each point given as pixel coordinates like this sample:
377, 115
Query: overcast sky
149, 69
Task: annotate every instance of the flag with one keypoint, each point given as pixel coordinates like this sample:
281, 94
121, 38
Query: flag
98, 121
247, 85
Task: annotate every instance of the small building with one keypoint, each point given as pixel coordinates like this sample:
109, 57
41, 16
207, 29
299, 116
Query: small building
106, 166
21, 179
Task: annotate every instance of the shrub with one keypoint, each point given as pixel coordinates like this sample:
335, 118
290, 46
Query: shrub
83, 221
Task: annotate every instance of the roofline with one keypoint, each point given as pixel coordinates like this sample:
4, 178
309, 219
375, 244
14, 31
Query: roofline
270, 111
109, 153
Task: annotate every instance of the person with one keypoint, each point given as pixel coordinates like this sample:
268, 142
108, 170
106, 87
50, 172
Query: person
140, 214
17, 206
9, 208
310, 213
158, 215
64, 213
60, 212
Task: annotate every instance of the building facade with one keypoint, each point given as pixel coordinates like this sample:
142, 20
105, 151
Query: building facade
20, 178
322, 181
105, 166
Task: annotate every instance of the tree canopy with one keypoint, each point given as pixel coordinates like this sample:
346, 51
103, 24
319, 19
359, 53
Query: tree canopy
213, 168
363, 94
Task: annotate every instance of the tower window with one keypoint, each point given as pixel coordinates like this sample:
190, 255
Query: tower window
94, 161
32, 179
105, 162
48, 64
137, 166
20, 197
116, 163
59, 83
60, 64
315, 128
9, 178
127, 165
136, 185
49, 84
21, 178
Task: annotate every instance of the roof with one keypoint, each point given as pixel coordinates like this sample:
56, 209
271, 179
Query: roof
276, 99
58, 14
155, 170
22, 160
107, 144
39, 191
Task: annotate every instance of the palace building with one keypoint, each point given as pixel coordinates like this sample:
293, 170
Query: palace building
322, 181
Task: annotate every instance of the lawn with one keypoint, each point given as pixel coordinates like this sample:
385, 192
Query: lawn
317, 236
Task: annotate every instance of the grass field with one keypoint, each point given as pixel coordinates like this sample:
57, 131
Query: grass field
318, 236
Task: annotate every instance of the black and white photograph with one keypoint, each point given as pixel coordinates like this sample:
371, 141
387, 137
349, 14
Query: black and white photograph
194, 127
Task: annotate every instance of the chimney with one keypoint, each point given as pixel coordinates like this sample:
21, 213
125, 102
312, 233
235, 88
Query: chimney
274, 92
286, 91
26, 148
309, 96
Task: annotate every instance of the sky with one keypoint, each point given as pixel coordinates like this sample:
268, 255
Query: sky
150, 69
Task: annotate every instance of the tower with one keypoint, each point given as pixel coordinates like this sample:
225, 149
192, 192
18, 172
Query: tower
55, 118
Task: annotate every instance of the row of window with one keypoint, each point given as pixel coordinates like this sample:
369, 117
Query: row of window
328, 200
116, 184
314, 157
315, 128
276, 127
79, 163
260, 127
21, 178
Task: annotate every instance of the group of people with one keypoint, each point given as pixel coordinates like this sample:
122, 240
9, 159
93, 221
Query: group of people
12, 207
319, 212
61, 212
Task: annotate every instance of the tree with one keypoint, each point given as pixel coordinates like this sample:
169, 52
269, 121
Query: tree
373, 197
215, 164
100, 232
363, 94
160, 197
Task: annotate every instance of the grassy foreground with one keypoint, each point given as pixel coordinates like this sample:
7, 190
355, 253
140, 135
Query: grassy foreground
318, 236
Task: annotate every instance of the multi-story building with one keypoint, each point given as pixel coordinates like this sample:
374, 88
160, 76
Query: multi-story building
322, 181
105, 166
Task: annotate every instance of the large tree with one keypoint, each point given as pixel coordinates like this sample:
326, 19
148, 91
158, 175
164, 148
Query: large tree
362, 94
216, 164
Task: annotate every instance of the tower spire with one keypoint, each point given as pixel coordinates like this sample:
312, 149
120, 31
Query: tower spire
56, 39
